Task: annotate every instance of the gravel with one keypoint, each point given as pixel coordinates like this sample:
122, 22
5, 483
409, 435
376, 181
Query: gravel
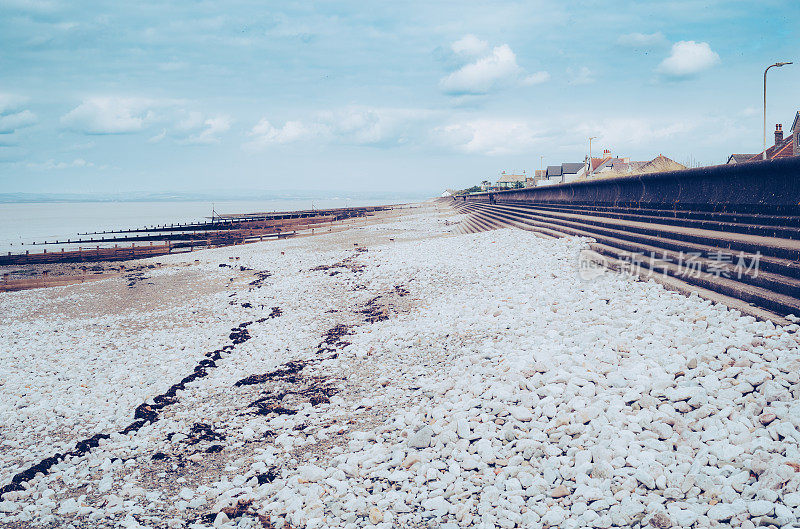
409, 379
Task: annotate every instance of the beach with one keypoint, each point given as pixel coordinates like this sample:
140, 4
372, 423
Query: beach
392, 374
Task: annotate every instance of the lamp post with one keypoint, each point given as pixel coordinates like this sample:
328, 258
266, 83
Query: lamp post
589, 172
778, 64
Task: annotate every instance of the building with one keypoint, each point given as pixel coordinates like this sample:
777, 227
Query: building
612, 166
572, 171
783, 146
609, 163
509, 181
740, 158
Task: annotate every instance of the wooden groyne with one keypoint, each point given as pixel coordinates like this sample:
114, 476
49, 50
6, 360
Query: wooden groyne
222, 230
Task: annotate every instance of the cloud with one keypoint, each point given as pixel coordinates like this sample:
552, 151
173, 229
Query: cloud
212, 128
12, 116
491, 137
489, 70
103, 115
688, 58
265, 133
482, 75
536, 78
51, 165
351, 125
470, 45
582, 75
111, 115
642, 40
623, 132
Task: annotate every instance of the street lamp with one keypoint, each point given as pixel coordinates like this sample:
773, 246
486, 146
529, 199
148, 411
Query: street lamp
778, 64
589, 172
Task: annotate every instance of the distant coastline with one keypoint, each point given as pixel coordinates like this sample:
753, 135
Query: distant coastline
223, 196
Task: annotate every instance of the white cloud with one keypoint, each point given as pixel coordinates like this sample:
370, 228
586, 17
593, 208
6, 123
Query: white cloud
582, 75
642, 40
482, 75
12, 115
470, 45
352, 125
265, 133
50, 165
536, 78
490, 69
490, 137
12, 122
625, 132
212, 128
111, 115
688, 58
123, 115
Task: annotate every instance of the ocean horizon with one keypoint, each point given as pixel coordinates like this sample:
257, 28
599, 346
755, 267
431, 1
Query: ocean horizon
23, 223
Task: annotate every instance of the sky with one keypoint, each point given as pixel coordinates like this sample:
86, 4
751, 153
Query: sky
406, 97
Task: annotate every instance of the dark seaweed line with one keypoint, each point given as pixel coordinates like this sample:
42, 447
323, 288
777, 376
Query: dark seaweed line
144, 413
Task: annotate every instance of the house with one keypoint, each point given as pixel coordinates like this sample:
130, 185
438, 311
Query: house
659, 164
784, 147
509, 181
609, 163
572, 171
552, 176
613, 166
739, 158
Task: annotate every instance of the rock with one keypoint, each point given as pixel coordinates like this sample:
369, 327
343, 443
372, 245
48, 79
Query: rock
463, 430
692, 363
760, 508
792, 499
375, 515
521, 414
437, 505
661, 521
422, 438
186, 494
766, 418
221, 519
311, 473
722, 512
644, 477
410, 460
560, 492
470, 463
784, 514
684, 517
68, 506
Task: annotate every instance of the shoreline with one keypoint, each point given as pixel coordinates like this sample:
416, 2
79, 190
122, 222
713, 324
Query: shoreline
23, 276
373, 378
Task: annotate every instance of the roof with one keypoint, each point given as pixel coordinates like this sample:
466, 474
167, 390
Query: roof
572, 168
739, 158
512, 178
608, 162
596, 162
553, 170
660, 164
782, 149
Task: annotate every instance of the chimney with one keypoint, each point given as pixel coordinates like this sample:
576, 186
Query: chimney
778, 133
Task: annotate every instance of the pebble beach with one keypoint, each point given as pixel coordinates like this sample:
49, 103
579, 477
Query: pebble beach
392, 375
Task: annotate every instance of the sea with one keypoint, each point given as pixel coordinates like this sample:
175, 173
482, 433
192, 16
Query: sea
24, 223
